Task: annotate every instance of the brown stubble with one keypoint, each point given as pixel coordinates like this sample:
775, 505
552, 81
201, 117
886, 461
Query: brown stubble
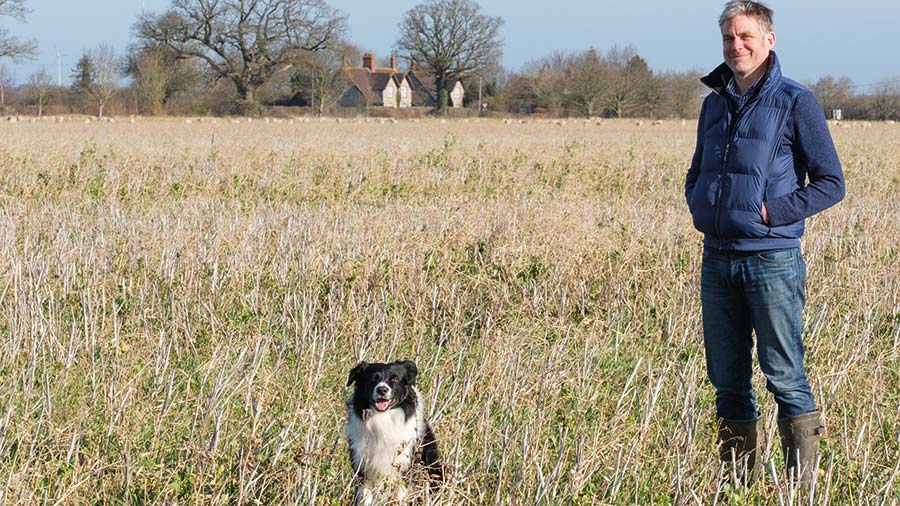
181, 302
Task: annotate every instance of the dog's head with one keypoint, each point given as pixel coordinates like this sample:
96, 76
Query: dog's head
382, 387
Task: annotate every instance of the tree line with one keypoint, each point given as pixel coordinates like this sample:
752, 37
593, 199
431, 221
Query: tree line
248, 58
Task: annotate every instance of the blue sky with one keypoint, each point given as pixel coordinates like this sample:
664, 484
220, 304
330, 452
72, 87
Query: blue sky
837, 37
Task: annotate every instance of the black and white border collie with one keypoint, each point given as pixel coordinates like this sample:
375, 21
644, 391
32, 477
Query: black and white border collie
387, 431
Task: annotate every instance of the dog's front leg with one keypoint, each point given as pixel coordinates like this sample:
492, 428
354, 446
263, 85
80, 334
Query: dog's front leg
364, 496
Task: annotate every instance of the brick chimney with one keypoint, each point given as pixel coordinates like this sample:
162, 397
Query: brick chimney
393, 62
369, 61
412, 64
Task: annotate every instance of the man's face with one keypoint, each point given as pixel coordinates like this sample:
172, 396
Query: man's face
744, 45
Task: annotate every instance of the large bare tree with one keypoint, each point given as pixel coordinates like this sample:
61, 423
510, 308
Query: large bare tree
244, 41
10, 46
451, 39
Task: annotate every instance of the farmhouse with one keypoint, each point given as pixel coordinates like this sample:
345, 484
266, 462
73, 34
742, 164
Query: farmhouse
425, 88
372, 86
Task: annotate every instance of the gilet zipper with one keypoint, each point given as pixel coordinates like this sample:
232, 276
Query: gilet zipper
732, 127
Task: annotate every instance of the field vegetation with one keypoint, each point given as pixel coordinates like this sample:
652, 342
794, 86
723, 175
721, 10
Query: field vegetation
180, 304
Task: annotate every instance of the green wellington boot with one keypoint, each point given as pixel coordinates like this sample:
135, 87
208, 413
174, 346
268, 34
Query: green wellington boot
800, 443
738, 443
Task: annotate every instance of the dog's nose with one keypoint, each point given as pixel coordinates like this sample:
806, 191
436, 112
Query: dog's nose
382, 390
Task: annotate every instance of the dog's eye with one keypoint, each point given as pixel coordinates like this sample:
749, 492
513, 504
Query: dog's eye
394, 378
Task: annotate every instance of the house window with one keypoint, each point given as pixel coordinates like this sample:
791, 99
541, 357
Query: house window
403, 91
457, 92
390, 92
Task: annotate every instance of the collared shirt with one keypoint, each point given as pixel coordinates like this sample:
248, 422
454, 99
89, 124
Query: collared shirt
741, 100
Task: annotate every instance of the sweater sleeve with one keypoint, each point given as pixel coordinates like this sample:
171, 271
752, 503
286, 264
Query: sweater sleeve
814, 157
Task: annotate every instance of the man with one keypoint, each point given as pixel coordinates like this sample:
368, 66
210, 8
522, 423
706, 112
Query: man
760, 135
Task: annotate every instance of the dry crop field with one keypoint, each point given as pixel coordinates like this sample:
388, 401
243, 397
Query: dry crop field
180, 304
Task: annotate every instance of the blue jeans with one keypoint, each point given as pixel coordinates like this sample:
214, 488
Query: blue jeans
763, 291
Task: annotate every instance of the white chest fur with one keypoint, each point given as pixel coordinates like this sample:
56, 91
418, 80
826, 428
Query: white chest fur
385, 442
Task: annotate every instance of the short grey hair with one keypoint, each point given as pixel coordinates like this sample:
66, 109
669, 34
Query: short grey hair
756, 10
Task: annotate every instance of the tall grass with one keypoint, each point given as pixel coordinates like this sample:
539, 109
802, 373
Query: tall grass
180, 305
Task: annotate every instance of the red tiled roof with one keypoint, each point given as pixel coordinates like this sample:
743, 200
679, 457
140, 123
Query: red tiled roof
424, 87
359, 76
372, 83
379, 80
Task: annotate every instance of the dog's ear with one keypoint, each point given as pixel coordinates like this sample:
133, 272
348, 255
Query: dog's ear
354, 373
411, 370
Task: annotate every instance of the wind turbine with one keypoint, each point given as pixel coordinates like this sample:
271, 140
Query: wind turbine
58, 65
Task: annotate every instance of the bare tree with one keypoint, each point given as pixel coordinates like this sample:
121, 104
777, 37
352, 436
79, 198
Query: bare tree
650, 96
158, 75
10, 46
246, 42
516, 94
154, 71
320, 76
38, 89
107, 71
632, 82
886, 99
451, 39
682, 93
589, 80
547, 80
832, 93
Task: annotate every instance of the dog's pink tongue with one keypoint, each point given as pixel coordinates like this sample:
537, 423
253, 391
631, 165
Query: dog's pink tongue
382, 405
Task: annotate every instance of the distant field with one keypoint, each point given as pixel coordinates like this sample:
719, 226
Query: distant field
180, 304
